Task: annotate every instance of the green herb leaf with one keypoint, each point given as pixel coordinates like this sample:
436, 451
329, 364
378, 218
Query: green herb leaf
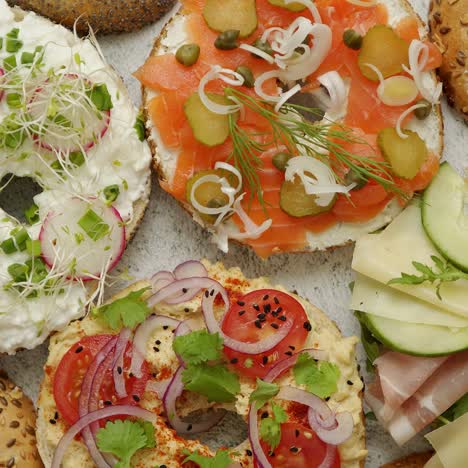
93, 225
32, 214
140, 127
111, 193
124, 438
442, 272
370, 416
264, 392
321, 378
198, 347
128, 311
455, 411
100, 97
270, 428
220, 460
216, 382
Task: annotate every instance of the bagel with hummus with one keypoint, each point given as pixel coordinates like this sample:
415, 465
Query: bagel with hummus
103, 17
67, 122
326, 139
202, 338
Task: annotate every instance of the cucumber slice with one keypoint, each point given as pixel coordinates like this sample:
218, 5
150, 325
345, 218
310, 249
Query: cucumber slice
445, 216
415, 338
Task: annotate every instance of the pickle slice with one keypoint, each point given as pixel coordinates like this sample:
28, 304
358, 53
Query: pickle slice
405, 155
296, 202
290, 6
209, 194
384, 49
239, 15
208, 128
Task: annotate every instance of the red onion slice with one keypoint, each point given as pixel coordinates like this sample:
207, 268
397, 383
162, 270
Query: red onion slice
119, 378
285, 364
190, 269
158, 386
173, 391
254, 438
142, 335
161, 279
85, 421
341, 432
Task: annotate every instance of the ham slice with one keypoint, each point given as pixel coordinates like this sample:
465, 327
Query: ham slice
396, 390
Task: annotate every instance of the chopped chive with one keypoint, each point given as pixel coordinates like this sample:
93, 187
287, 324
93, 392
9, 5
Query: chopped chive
13, 34
27, 57
8, 246
13, 45
9, 63
111, 192
1, 43
18, 271
33, 247
21, 236
93, 225
77, 158
140, 127
14, 100
32, 214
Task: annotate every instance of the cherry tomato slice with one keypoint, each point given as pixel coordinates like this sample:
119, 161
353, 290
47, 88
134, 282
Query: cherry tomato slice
257, 315
73, 367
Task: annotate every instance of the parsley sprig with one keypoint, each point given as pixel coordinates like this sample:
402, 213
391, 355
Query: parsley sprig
270, 428
442, 272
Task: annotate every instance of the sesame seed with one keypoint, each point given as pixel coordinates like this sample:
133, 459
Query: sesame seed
326, 399
265, 297
297, 432
79, 349
294, 449
108, 403
265, 360
155, 349
158, 342
212, 292
264, 415
52, 421
256, 307
187, 310
184, 290
207, 293
276, 300
307, 326
56, 415
189, 427
248, 452
241, 312
282, 318
11, 462
234, 360
162, 466
349, 382
288, 353
165, 327
292, 348
258, 324
274, 325
119, 370
136, 398
14, 424
241, 303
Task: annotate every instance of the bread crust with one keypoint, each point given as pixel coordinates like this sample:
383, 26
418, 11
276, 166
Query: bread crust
104, 16
449, 31
415, 460
158, 166
317, 317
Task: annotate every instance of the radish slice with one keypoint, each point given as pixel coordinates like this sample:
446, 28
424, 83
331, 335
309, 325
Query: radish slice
83, 238
2, 92
76, 124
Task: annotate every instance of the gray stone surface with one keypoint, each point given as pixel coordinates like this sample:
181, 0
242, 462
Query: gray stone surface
168, 236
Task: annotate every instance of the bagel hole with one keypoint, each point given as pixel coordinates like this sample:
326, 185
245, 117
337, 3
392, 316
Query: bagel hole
18, 195
229, 432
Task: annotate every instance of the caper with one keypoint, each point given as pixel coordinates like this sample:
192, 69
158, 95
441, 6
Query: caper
227, 40
264, 46
422, 113
352, 177
247, 74
216, 203
188, 54
280, 160
352, 39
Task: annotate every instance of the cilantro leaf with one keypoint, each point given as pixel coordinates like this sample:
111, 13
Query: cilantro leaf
220, 460
263, 393
270, 428
370, 344
319, 378
124, 438
458, 409
198, 347
130, 311
216, 382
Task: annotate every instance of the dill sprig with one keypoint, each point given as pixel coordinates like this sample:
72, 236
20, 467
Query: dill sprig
319, 140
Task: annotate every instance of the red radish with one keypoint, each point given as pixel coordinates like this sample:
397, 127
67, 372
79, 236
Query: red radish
84, 238
2, 92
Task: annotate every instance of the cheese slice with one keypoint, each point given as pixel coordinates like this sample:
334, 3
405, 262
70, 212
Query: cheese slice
450, 443
387, 255
378, 299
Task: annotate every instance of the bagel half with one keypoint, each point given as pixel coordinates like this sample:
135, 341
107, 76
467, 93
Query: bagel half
104, 17
343, 233
325, 335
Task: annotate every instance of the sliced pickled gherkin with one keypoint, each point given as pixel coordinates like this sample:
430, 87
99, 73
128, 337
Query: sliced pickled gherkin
208, 128
209, 194
296, 202
290, 6
405, 155
384, 49
231, 14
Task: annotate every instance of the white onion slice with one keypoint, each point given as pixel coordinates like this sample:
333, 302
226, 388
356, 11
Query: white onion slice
286, 96
256, 51
403, 116
261, 79
364, 3
336, 88
321, 182
230, 77
230, 168
85, 421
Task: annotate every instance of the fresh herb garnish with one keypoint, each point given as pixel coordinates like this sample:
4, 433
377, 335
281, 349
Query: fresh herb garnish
270, 428
128, 311
198, 347
319, 140
264, 392
93, 225
220, 460
458, 409
320, 378
100, 97
442, 272
124, 438
32, 214
140, 127
111, 193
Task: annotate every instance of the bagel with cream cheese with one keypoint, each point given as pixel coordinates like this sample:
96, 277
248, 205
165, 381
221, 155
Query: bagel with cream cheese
180, 326
67, 122
279, 212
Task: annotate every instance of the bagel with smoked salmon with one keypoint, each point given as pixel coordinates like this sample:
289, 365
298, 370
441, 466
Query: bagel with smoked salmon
203, 338
249, 88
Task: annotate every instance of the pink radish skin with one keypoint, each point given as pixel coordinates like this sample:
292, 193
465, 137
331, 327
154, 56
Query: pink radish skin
2, 92
117, 223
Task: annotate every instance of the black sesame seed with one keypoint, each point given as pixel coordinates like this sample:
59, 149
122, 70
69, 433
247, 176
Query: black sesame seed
265, 297
187, 310
276, 300
158, 342
52, 421
248, 452
297, 432
107, 403
282, 318
294, 449
154, 374
326, 399
189, 427
256, 307
131, 374
349, 382
279, 310
267, 308
119, 370
212, 292
79, 349
165, 327
307, 326
234, 360
241, 312
264, 415
207, 293
156, 350
184, 290
241, 303
162, 466
258, 324
136, 398
265, 360
56, 415
292, 348
274, 325
288, 353
261, 316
